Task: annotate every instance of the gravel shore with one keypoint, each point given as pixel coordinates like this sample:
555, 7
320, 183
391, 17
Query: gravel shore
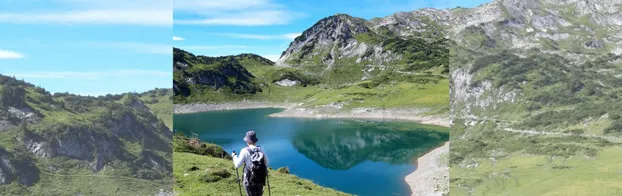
365, 113
205, 107
432, 175
292, 110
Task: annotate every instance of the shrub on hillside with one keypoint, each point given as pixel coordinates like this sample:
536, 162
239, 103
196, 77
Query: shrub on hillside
213, 175
193, 145
283, 170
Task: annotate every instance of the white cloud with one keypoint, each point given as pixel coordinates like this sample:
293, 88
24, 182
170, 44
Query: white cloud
252, 18
6, 54
289, 36
216, 47
175, 38
292, 36
272, 57
93, 17
233, 12
92, 75
136, 47
202, 5
96, 12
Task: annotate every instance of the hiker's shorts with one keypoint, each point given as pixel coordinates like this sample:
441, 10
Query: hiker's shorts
254, 190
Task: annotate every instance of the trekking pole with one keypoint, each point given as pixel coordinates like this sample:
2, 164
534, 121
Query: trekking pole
268, 180
238, 177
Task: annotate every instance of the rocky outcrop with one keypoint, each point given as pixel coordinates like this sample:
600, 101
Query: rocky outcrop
20, 169
214, 72
341, 41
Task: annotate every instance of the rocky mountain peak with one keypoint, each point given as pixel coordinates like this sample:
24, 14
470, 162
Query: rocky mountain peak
333, 29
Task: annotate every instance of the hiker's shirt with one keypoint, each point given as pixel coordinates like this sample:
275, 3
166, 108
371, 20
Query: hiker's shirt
245, 157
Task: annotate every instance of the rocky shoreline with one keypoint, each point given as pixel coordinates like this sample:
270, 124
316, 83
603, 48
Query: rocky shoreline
205, 107
293, 110
432, 175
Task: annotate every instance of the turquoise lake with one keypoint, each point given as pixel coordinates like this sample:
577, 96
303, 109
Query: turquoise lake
361, 157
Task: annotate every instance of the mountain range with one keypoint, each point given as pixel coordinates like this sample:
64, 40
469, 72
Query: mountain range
340, 61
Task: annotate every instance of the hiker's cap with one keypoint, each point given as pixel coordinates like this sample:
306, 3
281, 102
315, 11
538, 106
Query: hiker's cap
250, 137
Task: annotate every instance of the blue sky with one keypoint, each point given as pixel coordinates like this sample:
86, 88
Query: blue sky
96, 47
266, 27
89, 47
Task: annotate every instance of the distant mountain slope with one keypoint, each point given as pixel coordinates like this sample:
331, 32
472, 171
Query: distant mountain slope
398, 61
349, 49
160, 102
536, 92
198, 73
57, 144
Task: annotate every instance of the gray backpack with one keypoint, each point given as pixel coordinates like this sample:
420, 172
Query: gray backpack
257, 171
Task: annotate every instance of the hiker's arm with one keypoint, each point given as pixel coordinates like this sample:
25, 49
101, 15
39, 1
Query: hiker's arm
239, 159
265, 156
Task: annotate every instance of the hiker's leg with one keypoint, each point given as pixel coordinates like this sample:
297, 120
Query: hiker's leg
249, 191
259, 190
253, 191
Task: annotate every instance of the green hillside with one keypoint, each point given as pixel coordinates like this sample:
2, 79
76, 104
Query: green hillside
65, 144
253, 80
341, 61
537, 101
201, 169
160, 102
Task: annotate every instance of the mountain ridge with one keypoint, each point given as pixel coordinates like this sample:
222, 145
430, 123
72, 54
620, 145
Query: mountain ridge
46, 136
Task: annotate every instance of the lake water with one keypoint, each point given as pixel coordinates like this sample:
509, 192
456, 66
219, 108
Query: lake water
354, 156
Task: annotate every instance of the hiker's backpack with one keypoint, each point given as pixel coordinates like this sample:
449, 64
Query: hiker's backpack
257, 171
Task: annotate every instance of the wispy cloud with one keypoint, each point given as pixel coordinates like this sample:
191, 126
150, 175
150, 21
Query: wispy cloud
6, 54
252, 18
234, 12
216, 47
175, 38
134, 46
96, 12
289, 36
92, 75
229, 5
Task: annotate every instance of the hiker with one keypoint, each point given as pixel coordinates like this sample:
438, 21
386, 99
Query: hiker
256, 165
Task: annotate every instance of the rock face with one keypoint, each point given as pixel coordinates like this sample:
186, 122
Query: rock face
20, 169
560, 27
215, 72
327, 32
362, 49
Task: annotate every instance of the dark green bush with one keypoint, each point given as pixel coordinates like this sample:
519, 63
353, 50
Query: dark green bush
283, 170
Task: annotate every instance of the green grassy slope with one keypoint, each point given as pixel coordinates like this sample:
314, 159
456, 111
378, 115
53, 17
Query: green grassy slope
196, 174
160, 102
391, 89
67, 144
